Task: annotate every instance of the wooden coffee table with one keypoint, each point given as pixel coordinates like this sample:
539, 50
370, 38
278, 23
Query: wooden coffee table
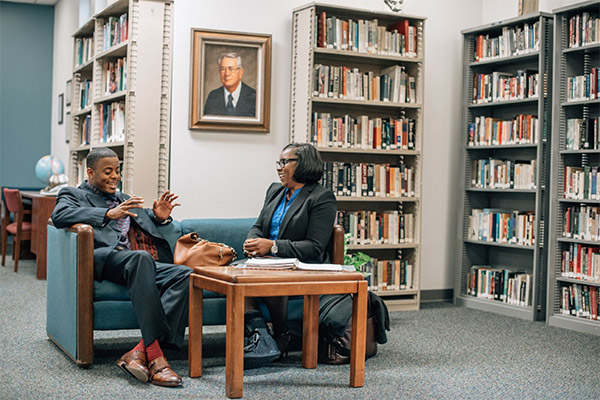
236, 284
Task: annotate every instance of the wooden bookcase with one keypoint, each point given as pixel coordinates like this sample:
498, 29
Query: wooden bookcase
572, 58
493, 253
141, 90
318, 50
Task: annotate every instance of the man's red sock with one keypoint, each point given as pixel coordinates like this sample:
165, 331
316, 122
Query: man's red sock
140, 346
153, 351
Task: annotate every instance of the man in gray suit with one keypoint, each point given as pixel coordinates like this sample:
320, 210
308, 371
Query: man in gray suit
130, 251
234, 98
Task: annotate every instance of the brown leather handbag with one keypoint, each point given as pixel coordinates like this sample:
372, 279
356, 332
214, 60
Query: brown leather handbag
193, 251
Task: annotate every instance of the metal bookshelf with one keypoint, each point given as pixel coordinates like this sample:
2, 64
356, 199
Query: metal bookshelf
305, 55
145, 149
568, 62
515, 257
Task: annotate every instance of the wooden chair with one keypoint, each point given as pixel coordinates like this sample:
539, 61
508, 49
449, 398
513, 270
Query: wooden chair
20, 229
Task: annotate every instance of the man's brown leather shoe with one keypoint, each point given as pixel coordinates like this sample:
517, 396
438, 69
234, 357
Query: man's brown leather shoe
161, 373
134, 363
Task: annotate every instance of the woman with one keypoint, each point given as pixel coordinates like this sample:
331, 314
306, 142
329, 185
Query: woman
296, 221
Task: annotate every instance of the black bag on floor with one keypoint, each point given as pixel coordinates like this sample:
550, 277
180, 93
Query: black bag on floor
260, 348
335, 327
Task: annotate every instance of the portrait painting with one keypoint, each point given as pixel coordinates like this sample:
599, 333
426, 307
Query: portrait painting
230, 81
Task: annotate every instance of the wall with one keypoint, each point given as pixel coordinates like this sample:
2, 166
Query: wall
65, 24
226, 174
25, 90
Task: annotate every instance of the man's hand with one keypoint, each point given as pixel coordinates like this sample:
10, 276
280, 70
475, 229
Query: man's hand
257, 247
163, 206
123, 208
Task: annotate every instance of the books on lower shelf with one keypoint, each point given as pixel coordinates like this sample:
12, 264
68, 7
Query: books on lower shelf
363, 132
275, 263
580, 301
370, 227
85, 126
86, 93
115, 76
581, 222
582, 183
581, 262
500, 284
369, 180
583, 87
490, 131
502, 226
583, 134
84, 50
388, 275
503, 174
391, 85
502, 86
116, 30
112, 122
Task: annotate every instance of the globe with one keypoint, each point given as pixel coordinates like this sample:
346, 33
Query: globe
48, 166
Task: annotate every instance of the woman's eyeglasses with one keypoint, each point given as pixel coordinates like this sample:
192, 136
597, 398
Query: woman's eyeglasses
284, 161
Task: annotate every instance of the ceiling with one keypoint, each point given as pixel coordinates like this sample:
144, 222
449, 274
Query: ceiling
40, 2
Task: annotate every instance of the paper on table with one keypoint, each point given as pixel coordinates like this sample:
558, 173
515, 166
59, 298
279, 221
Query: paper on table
288, 263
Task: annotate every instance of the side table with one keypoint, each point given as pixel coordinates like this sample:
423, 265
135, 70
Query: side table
238, 283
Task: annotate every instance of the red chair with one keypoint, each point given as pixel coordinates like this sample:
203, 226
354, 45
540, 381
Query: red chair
21, 230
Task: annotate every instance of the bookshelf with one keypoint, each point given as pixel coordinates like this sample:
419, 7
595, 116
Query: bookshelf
361, 105
121, 92
573, 261
506, 114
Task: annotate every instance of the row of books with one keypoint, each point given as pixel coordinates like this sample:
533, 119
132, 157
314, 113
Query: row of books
580, 301
490, 131
582, 222
112, 122
115, 76
393, 84
503, 86
366, 36
584, 29
583, 134
116, 31
81, 170
582, 183
581, 262
503, 174
369, 180
371, 227
85, 127
500, 284
84, 50
86, 93
583, 87
363, 132
513, 41
387, 275
502, 226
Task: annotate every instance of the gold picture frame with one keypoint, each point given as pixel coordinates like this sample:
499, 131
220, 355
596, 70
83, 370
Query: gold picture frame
230, 88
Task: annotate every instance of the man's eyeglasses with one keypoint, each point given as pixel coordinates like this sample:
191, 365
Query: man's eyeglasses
228, 69
284, 161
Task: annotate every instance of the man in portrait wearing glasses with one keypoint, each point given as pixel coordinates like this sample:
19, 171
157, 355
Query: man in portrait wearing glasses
234, 98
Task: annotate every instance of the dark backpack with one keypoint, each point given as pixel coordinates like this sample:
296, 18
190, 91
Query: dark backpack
335, 327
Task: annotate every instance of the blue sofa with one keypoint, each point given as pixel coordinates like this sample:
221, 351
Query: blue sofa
77, 304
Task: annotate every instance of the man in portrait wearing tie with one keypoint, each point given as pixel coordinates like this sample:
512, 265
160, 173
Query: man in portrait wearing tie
234, 98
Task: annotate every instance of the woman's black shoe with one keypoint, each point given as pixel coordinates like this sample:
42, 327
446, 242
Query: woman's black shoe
283, 343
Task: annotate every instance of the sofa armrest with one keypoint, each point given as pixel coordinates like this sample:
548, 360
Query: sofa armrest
69, 316
337, 245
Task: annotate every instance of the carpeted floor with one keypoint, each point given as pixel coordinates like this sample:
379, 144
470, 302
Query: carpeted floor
439, 352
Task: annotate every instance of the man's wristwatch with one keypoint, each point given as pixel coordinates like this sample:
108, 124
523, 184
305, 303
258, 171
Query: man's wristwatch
274, 248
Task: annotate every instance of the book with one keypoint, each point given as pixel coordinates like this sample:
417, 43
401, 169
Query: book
275, 263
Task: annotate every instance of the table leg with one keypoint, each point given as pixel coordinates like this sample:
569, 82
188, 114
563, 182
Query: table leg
310, 331
195, 331
359, 336
234, 342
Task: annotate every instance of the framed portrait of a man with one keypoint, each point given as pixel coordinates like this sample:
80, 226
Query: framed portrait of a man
230, 81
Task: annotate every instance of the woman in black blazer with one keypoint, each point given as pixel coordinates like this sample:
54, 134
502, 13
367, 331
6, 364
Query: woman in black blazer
296, 221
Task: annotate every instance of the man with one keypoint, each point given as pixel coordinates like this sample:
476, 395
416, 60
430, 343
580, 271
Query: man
129, 250
234, 98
